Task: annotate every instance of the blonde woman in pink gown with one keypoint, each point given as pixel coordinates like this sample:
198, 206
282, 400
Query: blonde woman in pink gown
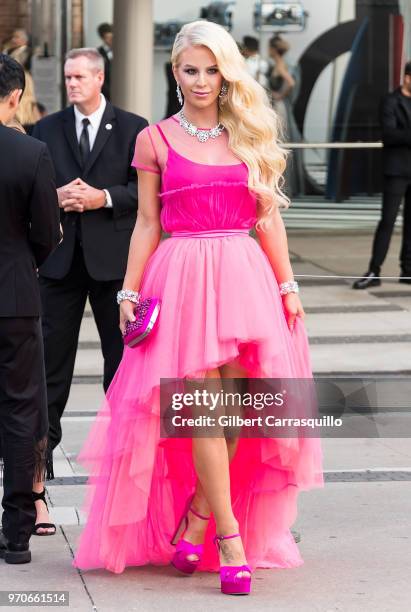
222, 316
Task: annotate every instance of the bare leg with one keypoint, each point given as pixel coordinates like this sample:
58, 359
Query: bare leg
197, 528
211, 461
232, 551
229, 372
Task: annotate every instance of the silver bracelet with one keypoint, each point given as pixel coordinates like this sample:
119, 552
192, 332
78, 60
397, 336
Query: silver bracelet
127, 294
288, 287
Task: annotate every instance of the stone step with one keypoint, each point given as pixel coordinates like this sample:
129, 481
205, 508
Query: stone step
360, 323
388, 357
88, 330
337, 295
335, 337
339, 357
321, 323
85, 397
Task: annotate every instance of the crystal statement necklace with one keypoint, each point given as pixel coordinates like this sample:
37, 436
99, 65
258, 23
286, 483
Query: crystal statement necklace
193, 130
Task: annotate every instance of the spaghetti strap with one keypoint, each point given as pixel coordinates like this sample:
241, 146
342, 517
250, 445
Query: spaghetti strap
163, 135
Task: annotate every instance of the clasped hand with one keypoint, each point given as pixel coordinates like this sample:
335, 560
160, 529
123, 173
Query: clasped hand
78, 196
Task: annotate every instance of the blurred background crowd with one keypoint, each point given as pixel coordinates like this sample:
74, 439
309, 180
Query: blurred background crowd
324, 65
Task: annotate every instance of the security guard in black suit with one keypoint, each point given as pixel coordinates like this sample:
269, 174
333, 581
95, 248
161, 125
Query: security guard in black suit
396, 136
92, 145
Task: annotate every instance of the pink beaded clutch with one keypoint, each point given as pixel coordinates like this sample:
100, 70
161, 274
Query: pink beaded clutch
146, 313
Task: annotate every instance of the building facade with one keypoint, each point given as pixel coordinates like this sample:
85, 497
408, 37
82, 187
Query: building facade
348, 54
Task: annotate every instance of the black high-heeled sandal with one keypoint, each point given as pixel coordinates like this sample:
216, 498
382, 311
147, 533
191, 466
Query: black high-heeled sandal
42, 496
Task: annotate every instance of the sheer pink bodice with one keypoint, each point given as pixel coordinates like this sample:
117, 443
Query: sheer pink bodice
196, 195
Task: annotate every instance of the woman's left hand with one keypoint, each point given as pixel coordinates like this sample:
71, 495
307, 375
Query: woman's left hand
292, 308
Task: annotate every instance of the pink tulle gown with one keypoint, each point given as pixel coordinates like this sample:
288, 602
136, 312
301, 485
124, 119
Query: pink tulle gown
220, 302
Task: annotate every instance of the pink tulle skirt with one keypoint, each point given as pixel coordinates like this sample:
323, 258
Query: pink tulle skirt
220, 302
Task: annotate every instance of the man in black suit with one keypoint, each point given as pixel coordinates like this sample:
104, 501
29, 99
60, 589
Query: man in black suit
92, 145
396, 136
105, 31
29, 231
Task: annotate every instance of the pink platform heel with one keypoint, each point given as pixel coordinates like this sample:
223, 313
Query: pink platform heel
183, 547
231, 583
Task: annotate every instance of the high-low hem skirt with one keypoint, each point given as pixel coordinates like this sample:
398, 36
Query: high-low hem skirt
220, 302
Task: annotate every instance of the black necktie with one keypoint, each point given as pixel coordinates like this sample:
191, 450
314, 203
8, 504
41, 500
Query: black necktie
84, 143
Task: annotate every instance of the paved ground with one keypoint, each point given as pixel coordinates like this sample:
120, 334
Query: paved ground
355, 531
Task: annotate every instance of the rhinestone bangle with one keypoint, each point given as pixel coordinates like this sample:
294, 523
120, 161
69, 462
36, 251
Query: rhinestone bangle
288, 287
127, 294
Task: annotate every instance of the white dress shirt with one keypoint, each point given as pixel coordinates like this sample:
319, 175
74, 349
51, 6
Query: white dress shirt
92, 128
257, 67
108, 50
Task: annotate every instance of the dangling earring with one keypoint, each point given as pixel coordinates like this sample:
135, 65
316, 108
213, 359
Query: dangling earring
223, 93
179, 95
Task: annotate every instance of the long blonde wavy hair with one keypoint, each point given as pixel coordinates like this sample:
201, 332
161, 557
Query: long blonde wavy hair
252, 125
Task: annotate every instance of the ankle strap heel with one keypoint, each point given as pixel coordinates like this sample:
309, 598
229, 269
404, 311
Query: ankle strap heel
42, 497
219, 538
231, 582
198, 515
184, 549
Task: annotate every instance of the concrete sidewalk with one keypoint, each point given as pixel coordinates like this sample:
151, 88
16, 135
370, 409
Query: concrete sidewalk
355, 531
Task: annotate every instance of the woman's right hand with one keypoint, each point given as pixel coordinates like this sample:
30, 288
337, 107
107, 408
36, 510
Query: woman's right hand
126, 314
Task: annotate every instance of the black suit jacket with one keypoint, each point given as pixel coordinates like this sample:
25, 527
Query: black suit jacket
29, 221
396, 134
106, 91
105, 232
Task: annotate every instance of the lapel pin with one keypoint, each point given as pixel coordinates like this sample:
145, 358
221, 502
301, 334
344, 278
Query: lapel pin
109, 126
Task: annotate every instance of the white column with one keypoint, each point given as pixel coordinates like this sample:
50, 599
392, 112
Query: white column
405, 9
131, 87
